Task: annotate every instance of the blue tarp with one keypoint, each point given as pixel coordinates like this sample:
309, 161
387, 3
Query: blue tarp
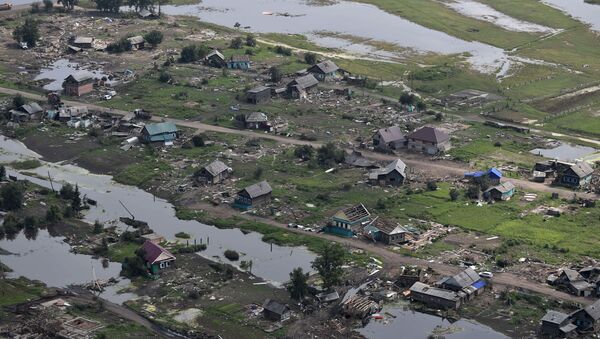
494, 173
479, 284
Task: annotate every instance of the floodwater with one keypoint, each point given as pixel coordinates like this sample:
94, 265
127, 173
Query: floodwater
356, 19
415, 325
565, 152
59, 70
587, 13
272, 263
484, 12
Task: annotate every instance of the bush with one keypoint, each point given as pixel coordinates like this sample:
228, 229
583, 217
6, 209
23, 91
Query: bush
53, 214
182, 235
28, 32
48, 5
275, 74
190, 249
310, 58
12, 196
453, 194
432, 186
329, 155
120, 46
258, 172
250, 40
198, 140
154, 37
283, 50
18, 101
193, 53
164, 77
98, 227
35, 7
236, 43
232, 255
304, 152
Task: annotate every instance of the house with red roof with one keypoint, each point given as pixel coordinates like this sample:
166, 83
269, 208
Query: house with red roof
157, 257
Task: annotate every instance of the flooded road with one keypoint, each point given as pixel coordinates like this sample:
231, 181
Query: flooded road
272, 263
416, 325
350, 18
579, 9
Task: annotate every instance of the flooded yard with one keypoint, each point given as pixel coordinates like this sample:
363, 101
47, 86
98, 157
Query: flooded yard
579, 9
59, 70
565, 152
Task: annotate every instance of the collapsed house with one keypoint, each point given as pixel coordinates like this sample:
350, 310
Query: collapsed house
254, 195
467, 282
214, 173
388, 139
215, 59
393, 174
359, 306
348, 221
356, 159
435, 297
301, 86
82, 42
136, 42
26, 112
567, 174
78, 84
573, 282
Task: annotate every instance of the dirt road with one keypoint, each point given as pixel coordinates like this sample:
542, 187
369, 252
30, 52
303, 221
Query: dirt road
418, 163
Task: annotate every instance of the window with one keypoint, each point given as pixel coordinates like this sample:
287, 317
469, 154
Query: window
162, 265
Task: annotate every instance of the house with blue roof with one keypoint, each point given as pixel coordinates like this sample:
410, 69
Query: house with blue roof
160, 132
494, 176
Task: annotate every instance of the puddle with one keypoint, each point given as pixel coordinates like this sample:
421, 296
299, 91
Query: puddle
415, 325
587, 13
59, 70
484, 12
356, 19
565, 152
272, 263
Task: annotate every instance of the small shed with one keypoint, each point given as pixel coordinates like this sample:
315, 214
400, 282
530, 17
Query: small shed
393, 174
214, 173
276, 311
257, 120
83, 41
504, 191
258, 95
136, 42
435, 297
556, 324
160, 132
301, 86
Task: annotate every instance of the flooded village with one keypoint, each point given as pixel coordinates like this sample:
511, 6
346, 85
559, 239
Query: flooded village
299, 169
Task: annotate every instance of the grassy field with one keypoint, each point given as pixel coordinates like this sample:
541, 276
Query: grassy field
14, 291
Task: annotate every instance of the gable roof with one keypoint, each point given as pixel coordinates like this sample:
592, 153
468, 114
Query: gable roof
258, 189
32, 108
259, 89
215, 52
582, 169
429, 134
419, 287
463, 279
256, 117
216, 167
353, 214
391, 134
160, 128
239, 58
504, 187
389, 227
155, 253
134, 40
305, 81
80, 76
324, 67
396, 165
275, 307
555, 317
571, 274
593, 310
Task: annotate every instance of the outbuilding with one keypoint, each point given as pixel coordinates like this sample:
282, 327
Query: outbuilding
239, 62
214, 173
504, 191
258, 95
136, 42
275, 311
393, 174
324, 70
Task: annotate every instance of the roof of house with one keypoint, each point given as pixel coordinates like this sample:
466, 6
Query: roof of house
463, 279
256, 117
80, 76
396, 165
155, 253
144, 13
581, 285
83, 40
160, 128
571, 274
259, 89
420, 287
138, 39
504, 187
356, 159
354, 213
258, 189
32, 108
215, 52
324, 67
494, 172
555, 317
594, 310
582, 169
305, 81
389, 227
216, 167
429, 134
391, 134
275, 307
239, 58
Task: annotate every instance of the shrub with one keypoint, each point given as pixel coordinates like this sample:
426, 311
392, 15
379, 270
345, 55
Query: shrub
310, 58
198, 140
48, 5
18, 101
250, 40
432, 186
193, 53
453, 194
164, 77
232, 255
283, 50
236, 43
182, 235
28, 32
12, 196
120, 46
154, 37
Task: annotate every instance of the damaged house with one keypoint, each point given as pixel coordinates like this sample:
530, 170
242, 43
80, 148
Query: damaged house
301, 86
254, 195
257, 120
348, 221
26, 112
435, 297
387, 232
573, 282
214, 173
467, 281
388, 139
324, 70
393, 174
556, 325
574, 175
78, 84
215, 59
136, 42
161, 132
275, 311
428, 140
82, 42
492, 175
258, 95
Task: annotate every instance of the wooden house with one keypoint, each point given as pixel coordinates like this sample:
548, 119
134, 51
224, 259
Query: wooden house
258, 95
275, 311
388, 139
136, 42
587, 319
254, 195
78, 83
239, 62
214, 173
348, 221
387, 232
157, 257
215, 59
556, 325
324, 71
257, 120
393, 174
428, 140
301, 86
504, 191
435, 297
160, 132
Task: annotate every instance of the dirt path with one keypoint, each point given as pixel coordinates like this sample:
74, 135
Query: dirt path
418, 163
393, 260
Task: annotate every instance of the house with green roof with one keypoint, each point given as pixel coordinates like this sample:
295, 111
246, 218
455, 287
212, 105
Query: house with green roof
160, 132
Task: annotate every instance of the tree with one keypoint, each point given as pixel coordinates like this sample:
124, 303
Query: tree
453, 194
407, 98
76, 199
68, 4
275, 74
28, 32
112, 6
18, 101
160, 4
329, 264
35, 7
310, 58
120, 46
198, 140
98, 227
2, 172
154, 37
138, 5
164, 77
431, 185
329, 155
12, 196
304, 152
421, 106
298, 286
236, 43
48, 5
53, 214
439, 116
250, 40
193, 53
